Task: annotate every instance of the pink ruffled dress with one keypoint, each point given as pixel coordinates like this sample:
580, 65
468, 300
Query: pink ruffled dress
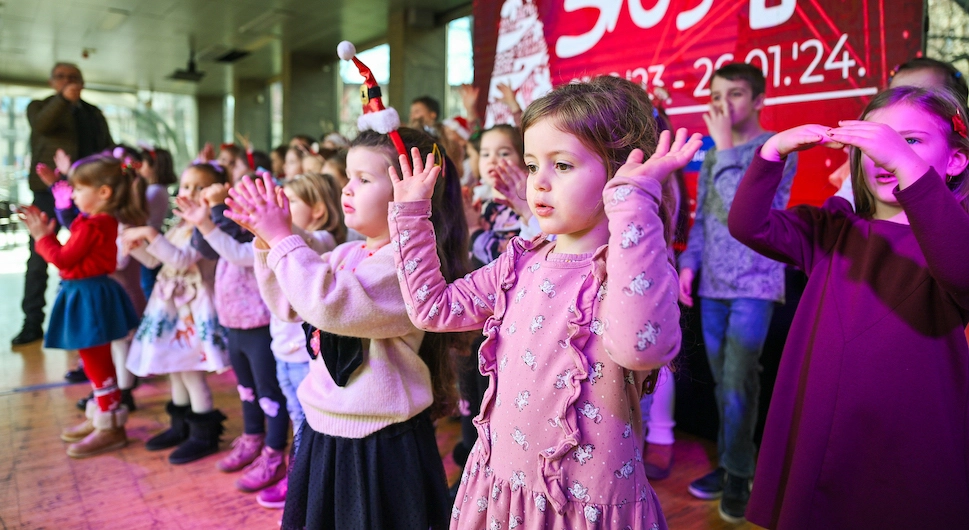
560, 430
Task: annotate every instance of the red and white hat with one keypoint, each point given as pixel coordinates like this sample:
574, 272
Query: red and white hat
459, 125
376, 117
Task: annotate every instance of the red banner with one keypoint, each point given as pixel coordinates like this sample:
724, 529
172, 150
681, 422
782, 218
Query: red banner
822, 59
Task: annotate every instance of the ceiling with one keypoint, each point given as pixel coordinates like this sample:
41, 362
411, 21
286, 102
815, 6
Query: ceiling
137, 44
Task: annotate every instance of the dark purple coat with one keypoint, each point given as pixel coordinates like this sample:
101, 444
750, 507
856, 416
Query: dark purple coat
868, 423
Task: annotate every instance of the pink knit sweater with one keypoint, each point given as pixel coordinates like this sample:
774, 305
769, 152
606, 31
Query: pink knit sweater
350, 292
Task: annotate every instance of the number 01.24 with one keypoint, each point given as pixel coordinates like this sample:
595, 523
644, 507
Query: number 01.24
811, 50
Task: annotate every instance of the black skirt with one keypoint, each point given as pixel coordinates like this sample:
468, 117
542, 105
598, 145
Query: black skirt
392, 479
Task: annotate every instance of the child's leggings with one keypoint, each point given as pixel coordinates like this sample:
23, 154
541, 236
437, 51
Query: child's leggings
658, 414
119, 353
191, 388
263, 403
99, 369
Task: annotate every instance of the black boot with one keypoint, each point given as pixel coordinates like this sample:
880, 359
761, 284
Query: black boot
203, 440
128, 400
175, 434
82, 403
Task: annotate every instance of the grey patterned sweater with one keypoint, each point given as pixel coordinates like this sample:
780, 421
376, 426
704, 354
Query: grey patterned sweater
727, 268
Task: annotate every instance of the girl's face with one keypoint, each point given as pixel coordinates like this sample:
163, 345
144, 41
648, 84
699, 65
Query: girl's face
496, 145
148, 172
293, 165
192, 183
928, 137
311, 164
335, 170
304, 215
564, 187
239, 169
369, 190
90, 199
226, 160
278, 163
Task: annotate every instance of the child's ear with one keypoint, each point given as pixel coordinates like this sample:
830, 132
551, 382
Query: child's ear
104, 192
321, 213
759, 102
958, 160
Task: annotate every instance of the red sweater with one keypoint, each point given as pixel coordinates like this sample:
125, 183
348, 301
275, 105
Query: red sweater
92, 249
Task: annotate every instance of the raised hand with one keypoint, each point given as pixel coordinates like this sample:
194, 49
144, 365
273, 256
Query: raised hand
216, 194
194, 212
62, 191
800, 138
62, 161
418, 184
884, 146
719, 125
46, 174
510, 182
261, 208
207, 154
133, 236
508, 97
665, 160
469, 98
37, 222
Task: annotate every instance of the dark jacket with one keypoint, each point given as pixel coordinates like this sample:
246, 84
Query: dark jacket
53, 127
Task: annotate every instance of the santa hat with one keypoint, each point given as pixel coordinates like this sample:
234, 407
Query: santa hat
384, 120
459, 125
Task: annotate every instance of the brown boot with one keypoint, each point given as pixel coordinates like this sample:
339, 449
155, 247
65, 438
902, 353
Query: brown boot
108, 434
658, 461
79, 432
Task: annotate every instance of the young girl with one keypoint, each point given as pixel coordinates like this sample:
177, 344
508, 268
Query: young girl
158, 170
568, 359
91, 309
367, 455
180, 334
867, 426
314, 202
501, 154
293, 163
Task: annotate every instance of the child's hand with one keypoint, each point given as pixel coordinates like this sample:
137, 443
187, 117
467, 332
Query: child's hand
62, 161
686, 287
216, 194
37, 222
47, 174
719, 125
665, 160
195, 213
884, 146
417, 185
510, 182
469, 97
62, 191
207, 154
508, 98
261, 208
132, 237
777, 147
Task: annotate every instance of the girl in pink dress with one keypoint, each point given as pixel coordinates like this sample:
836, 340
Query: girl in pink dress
576, 327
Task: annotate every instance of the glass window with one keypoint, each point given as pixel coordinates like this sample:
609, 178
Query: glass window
460, 64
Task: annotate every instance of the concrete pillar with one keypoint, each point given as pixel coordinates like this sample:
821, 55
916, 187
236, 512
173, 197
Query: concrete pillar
252, 116
418, 52
211, 119
312, 96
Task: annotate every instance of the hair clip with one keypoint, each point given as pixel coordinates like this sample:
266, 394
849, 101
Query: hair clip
439, 159
959, 125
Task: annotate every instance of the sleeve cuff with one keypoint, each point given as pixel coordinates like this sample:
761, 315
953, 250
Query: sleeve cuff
287, 245
420, 208
929, 184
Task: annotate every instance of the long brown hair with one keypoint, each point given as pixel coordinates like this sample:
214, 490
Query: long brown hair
316, 188
939, 102
127, 201
451, 231
611, 117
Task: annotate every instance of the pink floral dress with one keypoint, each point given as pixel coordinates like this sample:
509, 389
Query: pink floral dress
560, 430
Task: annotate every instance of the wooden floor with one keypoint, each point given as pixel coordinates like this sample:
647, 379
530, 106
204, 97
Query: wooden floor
41, 487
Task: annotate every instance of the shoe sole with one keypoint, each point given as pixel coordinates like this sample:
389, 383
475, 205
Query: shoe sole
72, 440
705, 495
272, 505
730, 518
181, 461
112, 447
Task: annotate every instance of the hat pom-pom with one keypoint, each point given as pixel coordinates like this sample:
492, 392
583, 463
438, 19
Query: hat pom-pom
346, 50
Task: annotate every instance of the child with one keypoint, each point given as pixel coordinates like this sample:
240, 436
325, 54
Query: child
180, 334
568, 360
336, 165
293, 163
158, 170
738, 288
261, 447
367, 455
315, 206
91, 309
873, 383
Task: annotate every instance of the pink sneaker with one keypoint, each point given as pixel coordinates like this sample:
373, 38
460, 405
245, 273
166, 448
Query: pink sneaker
245, 449
268, 469
274, 496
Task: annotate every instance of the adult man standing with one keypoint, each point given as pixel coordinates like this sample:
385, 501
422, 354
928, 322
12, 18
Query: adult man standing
62, 121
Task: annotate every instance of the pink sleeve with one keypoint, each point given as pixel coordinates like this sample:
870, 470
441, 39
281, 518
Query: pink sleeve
433, 304
640, 308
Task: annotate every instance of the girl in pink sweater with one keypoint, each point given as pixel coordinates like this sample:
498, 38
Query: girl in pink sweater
367, 455
560, 433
